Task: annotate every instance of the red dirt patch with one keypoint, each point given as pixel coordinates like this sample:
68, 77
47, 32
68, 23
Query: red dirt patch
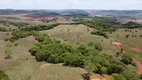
139, 66
118, 45
136, 49
30, 17
98, 78
104, 77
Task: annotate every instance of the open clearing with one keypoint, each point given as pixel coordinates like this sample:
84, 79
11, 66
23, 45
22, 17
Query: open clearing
78, 34
131, 45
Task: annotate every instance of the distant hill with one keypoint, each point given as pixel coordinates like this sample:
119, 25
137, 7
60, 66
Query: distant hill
41, 14
136, 14
11, 11
75, 12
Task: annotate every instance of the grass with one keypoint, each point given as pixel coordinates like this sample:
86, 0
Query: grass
78, 34
22, 69
135, 41
130, 42
23, 66
57, 72
7, 27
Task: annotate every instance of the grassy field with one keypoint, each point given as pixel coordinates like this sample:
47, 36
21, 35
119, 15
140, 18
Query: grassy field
78, 34
23, 66
119, 35
57, 72
129, 43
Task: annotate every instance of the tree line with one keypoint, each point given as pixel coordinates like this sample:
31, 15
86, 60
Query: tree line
29, 30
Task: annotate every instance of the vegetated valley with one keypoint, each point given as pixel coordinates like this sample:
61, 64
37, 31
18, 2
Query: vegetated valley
70, 45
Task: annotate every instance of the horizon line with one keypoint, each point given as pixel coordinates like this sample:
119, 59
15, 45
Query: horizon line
76, 9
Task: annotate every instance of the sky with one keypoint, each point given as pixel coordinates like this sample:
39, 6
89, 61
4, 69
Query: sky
72, 4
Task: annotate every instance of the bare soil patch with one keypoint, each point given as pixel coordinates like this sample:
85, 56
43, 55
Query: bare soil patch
30, 17
139, 66
118, 45
44, 65
99, 77
136, 49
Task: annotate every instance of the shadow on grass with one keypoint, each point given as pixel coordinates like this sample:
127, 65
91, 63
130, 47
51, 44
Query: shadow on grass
86, 76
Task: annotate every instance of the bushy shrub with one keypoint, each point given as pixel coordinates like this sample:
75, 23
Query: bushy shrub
100, 33
3, 76
126, 59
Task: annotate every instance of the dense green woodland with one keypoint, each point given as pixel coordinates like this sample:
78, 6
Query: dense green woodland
132, 25
39, 27
27, 31
102, 24
110, 25
18, 24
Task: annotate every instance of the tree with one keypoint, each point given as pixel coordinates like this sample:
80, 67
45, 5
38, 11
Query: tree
117, 77
141, 76
3, 76
104, 70
130, 75
115, 68
117, 54
127, 36
16, 44
126, 59
33, 50
98, 47
88, 69
8, 53
100, 33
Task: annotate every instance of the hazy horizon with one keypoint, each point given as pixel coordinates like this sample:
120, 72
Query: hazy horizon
76, 9
73, 4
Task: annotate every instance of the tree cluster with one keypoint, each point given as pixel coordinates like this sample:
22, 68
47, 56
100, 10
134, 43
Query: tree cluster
106, 25
39, 27
132, 25
100, 33
31, 30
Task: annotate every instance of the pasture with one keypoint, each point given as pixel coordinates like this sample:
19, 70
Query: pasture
78, 34
132, 44
23, 66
